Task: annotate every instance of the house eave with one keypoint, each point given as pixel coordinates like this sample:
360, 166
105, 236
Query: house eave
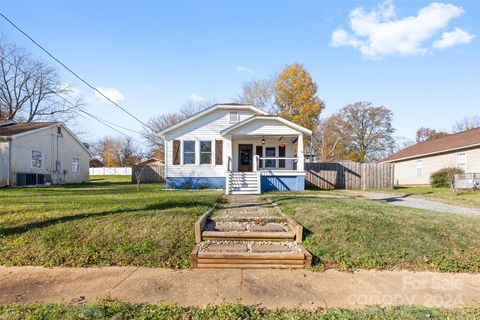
265, 117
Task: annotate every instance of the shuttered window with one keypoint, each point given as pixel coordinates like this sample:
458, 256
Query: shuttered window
218, 152
281, 154
176, 152
259, 152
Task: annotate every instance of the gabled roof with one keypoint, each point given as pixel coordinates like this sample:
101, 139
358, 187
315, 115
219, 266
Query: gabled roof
18, 128
236, 106
263, 117
451, 142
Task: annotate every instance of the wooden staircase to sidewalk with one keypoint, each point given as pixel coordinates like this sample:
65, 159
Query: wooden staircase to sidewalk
254, 235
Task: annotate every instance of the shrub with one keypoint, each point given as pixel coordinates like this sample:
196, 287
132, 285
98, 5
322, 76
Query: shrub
444, 178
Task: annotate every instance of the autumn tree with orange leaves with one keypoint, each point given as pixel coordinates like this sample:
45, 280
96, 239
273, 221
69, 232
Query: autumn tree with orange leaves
296, 96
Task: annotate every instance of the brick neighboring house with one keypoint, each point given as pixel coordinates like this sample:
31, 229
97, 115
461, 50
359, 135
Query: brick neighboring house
415, 164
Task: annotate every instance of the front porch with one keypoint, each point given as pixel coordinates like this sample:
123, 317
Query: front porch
259, 163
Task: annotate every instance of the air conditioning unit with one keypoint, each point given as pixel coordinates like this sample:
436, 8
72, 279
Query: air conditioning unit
467, 181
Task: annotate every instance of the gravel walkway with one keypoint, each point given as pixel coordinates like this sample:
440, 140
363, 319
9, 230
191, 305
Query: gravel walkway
420, 203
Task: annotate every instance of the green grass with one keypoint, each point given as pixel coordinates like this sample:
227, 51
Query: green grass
107, 222
121, 310
347, 234
466, 198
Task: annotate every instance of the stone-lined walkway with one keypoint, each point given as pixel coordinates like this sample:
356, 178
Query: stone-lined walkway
265, 288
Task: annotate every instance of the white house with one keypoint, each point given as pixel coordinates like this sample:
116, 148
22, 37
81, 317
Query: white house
415, 164
40, 153
237, 147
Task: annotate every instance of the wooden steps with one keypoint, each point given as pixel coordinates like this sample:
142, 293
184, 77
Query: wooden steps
268, 239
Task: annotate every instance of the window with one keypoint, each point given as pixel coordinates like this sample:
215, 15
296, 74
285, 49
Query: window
233, 117
37, 159
270, 153
462, 161
419, 168
205, 152
188, 152
75, 165
59, 131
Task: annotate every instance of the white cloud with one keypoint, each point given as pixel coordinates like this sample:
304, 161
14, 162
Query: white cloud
112, 93
198, 98
71, 91
452, 38
244, 69
380, 32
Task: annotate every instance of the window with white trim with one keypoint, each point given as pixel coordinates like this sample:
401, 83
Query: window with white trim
419, 168
270, 153
37, 159
189, 152
233, 117
462, 161
75, 165
205, 152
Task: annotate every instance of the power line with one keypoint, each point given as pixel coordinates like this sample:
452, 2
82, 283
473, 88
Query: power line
74, 73
97, 118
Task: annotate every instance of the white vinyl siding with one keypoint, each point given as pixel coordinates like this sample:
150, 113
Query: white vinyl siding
206, 128
405, 171
265, 127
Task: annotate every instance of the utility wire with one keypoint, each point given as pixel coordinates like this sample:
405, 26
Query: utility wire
97, 118
74, 73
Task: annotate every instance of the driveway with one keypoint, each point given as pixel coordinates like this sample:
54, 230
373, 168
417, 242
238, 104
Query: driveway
411, 202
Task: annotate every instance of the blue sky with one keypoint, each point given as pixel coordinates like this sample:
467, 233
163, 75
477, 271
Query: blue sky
153, 56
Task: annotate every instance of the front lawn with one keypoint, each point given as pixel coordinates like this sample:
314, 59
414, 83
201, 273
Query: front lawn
121, 310
106, 222
347, 234
466, 198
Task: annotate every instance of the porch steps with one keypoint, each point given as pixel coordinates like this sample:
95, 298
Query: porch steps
248, 235
243, 183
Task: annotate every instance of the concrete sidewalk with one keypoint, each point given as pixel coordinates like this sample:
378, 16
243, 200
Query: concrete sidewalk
265, 288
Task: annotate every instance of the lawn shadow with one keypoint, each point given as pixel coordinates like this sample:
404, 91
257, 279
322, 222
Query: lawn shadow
62, 219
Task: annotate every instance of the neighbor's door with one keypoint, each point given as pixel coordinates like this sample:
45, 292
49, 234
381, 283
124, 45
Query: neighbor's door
245, 157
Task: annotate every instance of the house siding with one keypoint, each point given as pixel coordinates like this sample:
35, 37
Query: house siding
265, 127
406, 173
207, 128
46, 140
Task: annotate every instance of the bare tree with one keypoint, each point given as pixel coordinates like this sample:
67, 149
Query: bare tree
30, 90
366, 132
425, 134
117, 151
326, 140
467, 123
261, 94
160, 122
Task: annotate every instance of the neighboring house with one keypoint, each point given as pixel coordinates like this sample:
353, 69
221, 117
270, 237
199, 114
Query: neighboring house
415, 164
151, 161
236, 147
96, 163
41, 153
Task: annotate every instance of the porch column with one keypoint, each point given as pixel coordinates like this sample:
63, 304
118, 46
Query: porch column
301, 157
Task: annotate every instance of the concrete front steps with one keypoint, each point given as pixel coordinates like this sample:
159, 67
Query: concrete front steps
245, 239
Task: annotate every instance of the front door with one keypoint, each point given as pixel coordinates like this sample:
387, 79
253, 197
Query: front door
245, 157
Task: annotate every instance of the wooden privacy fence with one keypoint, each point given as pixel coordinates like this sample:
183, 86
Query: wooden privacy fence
349, 175
151, 173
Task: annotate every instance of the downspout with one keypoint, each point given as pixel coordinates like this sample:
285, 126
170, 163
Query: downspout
9, 171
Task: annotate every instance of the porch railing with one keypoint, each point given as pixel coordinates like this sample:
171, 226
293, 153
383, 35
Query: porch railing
275, 163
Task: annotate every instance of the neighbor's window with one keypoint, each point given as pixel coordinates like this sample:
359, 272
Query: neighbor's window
205, 152
75, 165
233, 117
59, 130
270, 153
419, 168
37, 159
188, 152
462, 161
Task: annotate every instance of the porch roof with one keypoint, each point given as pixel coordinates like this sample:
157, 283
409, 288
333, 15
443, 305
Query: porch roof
281, 120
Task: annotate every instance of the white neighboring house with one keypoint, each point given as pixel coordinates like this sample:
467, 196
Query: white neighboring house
415, 164
40, 153
235, 147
